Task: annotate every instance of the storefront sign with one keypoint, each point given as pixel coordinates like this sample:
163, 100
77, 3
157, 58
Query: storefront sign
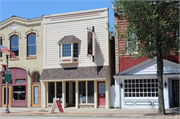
56, 102
19, 91
90, 42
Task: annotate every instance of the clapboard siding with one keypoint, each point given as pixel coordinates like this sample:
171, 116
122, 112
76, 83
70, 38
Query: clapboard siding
56, 31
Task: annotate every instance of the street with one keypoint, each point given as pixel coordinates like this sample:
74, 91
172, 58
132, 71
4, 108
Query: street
70, 117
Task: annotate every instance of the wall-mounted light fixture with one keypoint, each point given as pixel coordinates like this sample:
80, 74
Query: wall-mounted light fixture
28, 72
165, 84
121, 85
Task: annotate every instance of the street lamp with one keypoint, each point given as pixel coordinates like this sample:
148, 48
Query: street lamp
7, 79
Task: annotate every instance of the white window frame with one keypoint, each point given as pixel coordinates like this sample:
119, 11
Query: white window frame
72, 51
127, 45
155, 97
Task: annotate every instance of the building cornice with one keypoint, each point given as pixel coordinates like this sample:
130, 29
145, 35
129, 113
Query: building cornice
20, 21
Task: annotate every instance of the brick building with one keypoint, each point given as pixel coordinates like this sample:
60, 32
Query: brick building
136, 80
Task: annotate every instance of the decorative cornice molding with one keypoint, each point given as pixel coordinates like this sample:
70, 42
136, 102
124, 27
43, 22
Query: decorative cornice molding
20, 23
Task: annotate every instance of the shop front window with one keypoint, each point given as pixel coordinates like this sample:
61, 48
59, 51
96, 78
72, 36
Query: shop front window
50, 92
19, 93
59, 90
141, 88
82, 92
83, 87
90, 91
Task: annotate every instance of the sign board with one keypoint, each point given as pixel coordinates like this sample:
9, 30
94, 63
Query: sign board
8, 75
90, 42
56, 102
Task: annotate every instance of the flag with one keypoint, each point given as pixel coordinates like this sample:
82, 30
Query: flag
3, 69
4, 49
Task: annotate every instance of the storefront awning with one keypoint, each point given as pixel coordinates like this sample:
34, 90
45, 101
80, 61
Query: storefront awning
78, 73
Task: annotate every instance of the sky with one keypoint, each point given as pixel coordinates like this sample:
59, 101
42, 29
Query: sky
36, 8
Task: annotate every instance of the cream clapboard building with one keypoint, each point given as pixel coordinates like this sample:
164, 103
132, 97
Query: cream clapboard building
25, 38
69, 72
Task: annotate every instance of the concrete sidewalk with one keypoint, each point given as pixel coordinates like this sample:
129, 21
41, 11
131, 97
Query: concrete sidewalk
90, 112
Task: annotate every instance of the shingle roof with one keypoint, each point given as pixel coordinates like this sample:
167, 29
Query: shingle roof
74, 73
69, 38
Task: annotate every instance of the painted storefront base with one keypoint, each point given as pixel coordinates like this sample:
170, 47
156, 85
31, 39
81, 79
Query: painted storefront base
137, 87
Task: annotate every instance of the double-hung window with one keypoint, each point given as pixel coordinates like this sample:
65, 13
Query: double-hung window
14, 46
131, 46
31, 45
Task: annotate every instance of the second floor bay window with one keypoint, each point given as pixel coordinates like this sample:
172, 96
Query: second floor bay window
14, 44
68, 49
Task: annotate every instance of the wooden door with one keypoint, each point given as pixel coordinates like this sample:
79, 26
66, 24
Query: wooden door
4, 96
101, 93
36, 95
175, 90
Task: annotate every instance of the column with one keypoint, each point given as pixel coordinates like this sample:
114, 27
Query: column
77, 94
166, 93
117, 93
107, 86
63, 94
95, 95
29, 91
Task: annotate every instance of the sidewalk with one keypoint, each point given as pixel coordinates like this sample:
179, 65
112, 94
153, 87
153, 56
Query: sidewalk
90, 112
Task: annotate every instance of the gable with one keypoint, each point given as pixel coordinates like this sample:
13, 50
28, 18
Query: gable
150, 67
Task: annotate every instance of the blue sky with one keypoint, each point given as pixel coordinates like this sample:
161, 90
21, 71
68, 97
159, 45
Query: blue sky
36, 8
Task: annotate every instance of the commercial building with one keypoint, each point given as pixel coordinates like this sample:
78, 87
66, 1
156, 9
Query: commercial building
24, 37
77, 64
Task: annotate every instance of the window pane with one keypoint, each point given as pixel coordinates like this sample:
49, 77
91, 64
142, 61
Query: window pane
14, 41
67, 92
59, 90
36, 94
90, 91
32, 50
75, 50
82, 92
32, 39
50, 92
22, 81
36, 78
19, 92
66, 50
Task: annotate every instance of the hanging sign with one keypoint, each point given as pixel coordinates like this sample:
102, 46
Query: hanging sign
57, 102
89, 42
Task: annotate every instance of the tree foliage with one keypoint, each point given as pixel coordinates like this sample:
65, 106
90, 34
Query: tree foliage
149, 21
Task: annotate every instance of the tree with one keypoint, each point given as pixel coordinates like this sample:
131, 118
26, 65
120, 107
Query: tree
155, 25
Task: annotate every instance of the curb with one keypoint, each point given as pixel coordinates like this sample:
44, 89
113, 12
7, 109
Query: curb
88, 115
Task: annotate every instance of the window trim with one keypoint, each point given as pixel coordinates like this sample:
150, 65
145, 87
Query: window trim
70, 59
127, 46
33, 45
